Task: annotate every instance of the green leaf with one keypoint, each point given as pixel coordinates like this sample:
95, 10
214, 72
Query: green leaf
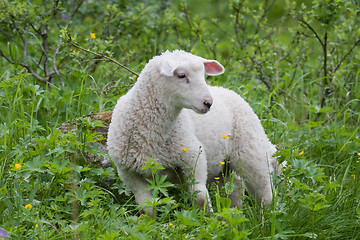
233, 216
188, 218
225, 202
81, 195
300, 185
35, 165
153, 165
108, 236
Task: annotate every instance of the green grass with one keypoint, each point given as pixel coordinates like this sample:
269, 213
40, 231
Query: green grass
317, 194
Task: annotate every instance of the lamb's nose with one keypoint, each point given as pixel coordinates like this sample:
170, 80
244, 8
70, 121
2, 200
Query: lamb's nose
208, 103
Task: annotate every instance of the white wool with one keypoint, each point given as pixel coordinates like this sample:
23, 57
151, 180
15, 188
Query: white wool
168, 109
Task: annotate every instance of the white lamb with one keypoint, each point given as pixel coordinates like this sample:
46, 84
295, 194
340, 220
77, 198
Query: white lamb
164, 113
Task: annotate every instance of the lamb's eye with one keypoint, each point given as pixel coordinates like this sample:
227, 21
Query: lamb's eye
181, 75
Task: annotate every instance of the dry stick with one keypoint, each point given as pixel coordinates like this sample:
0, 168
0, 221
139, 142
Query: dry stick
104, 56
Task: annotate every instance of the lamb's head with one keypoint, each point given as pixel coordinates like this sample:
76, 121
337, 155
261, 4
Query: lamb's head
184, 74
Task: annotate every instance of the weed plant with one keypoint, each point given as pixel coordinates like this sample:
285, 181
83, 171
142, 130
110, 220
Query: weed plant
296, 63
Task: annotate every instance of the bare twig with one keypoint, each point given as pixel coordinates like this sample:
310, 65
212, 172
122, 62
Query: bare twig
323, 43
48, 75
87, 50
29, 69
261, 75
42, 63
45, 48
74, 12
236, 28
104, 56
313, 31
345, 56
6, 58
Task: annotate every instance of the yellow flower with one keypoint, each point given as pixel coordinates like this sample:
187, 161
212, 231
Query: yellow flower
359, 154
222, 163
185, 149
92, 35
17, 166
301, 153
216, 178
36, 226
28, 206
170, 224
225, 136
353, 176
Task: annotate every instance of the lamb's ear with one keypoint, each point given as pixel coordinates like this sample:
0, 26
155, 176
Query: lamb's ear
167, 67
213, 67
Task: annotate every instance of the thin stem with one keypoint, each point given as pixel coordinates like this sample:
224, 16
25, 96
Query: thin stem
263, 15
57, 51
236, 28
323, 42
345, 56
45, 48
312, 30
104, 56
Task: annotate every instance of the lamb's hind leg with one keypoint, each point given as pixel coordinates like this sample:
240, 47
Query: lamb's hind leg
137, 184
237, 195
254, 169
198, 175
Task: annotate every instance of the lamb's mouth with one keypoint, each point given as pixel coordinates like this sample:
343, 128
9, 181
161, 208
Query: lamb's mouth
203, 110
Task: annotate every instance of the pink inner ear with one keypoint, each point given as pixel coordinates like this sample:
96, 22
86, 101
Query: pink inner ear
213, 68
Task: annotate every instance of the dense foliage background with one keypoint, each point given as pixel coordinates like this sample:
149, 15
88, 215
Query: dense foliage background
295, 62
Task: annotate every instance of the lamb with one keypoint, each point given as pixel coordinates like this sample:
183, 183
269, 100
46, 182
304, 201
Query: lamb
173, 116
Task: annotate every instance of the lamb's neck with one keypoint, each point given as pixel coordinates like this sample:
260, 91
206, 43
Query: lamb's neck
155, 111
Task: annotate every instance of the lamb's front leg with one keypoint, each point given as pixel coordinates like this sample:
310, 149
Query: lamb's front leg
137, 184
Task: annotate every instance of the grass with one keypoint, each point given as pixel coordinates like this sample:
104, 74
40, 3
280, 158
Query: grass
318, 196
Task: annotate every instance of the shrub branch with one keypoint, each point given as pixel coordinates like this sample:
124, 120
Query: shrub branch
104, 56
323, 42
346, 55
